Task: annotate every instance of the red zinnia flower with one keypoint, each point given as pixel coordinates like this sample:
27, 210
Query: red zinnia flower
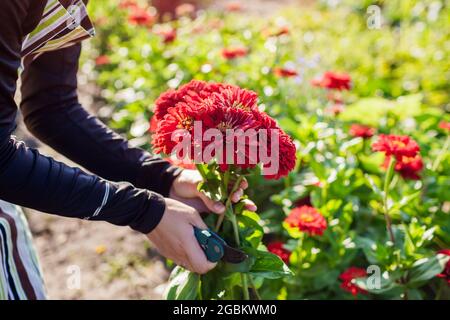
307, 219
347, 278
153, 124
102, 60
234, 52
408, 167
277, 248
445, 125
333, 80
397, 146
141, 17
185, 163
194, 90
221, 106
446, 273
358, 130
284, 72
168, 35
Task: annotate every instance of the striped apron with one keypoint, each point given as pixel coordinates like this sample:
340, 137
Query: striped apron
64, 23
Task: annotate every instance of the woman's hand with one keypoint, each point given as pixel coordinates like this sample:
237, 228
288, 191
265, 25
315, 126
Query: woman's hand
174, 237
184, 189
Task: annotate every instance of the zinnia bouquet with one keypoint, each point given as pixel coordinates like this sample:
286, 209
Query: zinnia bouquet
220, 128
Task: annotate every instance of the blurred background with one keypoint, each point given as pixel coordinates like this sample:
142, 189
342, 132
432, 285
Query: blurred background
396, 52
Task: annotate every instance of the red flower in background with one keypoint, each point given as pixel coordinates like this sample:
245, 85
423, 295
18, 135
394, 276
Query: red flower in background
277, 248
307, 219
281, 31
361, 131
185, 9
408, 167
333, 81
102, 60
168, 35
285, 72
397, 146
445, 125
446, 273
347, 278
234, 6
127, 4
335, 109
141, 17
234, 52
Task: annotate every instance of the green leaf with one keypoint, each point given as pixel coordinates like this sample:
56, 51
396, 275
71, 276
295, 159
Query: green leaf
244, 266
183, 285
270, 266
427, 268
386, 284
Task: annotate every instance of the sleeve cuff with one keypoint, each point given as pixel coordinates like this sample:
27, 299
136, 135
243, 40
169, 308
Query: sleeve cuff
150, 219
157, 175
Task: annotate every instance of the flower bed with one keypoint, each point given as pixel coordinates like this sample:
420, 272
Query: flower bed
365, 212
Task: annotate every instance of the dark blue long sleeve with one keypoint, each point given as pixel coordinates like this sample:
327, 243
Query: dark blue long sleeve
32, 180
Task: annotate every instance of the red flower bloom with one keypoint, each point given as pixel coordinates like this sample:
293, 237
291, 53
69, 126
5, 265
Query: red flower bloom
397, 146
307, 219
445, 125
127, 4
102, 60
153, 124
347, 278
281, 31
276, 247
284, 72
141, 17
178, 118
168, 35
234, 52
194, 90
234, 6
446, 273
184, 163
408, 167
221, 106
333, 80
358, 130
185, 9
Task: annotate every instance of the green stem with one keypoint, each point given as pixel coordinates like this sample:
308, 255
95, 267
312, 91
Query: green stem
441, 154
300, 249
252, 283
238, 244
387, 182
228, 204
440, 290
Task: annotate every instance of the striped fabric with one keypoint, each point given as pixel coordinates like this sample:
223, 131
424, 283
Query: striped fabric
64, 23
20, 274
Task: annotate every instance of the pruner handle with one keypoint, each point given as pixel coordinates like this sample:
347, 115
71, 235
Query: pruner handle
212, 247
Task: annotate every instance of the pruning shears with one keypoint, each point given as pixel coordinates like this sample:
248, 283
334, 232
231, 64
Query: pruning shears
216, 248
